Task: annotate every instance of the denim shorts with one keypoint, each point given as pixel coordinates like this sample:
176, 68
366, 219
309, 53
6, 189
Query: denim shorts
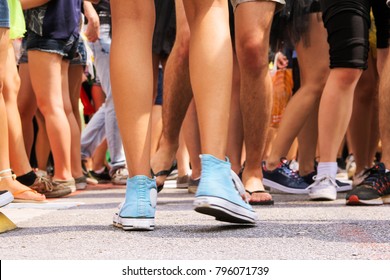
4, 14
66, 48
23, 51
80, 57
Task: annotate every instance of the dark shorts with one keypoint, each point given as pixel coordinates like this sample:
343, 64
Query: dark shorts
66, 48
165, 28
159, 97
4, 14
348, 24
23, 51
80, 57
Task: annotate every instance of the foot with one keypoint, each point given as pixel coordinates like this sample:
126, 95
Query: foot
374, 190
255, 188
341, 186
218, 196
21, 192
323, 188
284, 179
162, 164
138, 210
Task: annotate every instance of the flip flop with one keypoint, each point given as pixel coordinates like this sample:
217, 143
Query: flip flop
163, 173
263, 202
21, 200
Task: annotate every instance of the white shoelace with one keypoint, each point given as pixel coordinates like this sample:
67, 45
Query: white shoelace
239, 185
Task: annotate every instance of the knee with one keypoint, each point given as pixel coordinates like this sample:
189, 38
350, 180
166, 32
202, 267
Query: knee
47, 109
252, 55
346, 77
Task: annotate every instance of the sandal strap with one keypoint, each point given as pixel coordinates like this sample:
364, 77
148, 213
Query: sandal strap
258, 191
166, 172
13, 176
5, 171
24, 190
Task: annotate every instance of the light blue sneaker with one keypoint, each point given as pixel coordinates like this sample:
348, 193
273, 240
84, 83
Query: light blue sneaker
139, 208
217, 195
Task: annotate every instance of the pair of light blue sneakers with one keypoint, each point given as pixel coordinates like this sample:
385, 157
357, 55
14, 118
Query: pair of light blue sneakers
220, 194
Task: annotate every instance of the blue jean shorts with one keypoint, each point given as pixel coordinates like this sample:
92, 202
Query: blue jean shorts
66, 48
4, 14
80, 57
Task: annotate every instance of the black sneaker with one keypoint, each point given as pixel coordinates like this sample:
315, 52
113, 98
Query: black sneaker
374, 190
341, 186
284, 179
6, 197
102, 178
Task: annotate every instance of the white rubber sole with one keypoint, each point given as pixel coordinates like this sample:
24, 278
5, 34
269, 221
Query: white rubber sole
273, 185
6, 198
323, 195
354, 200
134, 223
224, 210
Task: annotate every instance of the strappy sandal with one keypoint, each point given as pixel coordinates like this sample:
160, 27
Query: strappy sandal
17, 193
21, 200
163, 173
262, 202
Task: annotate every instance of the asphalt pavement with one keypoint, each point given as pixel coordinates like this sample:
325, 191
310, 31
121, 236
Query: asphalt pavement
79, 227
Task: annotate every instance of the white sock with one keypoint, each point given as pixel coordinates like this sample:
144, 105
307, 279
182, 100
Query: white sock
327, 168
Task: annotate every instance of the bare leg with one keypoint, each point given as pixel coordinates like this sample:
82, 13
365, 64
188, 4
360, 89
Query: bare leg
7, 183
27, 106
71, 95
42, 143
98, 96
182, 157
156, 127
211, 70
384, 101
236, 133
177, 95
156, 109
210, 90
253, 23
19, 161
307, 139
314, 70
335, 110
133, 68
360, 130
75, 75
46, 82
99, 156
192, 139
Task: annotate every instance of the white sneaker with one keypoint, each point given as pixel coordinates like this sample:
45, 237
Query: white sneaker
323, 188
120, 176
